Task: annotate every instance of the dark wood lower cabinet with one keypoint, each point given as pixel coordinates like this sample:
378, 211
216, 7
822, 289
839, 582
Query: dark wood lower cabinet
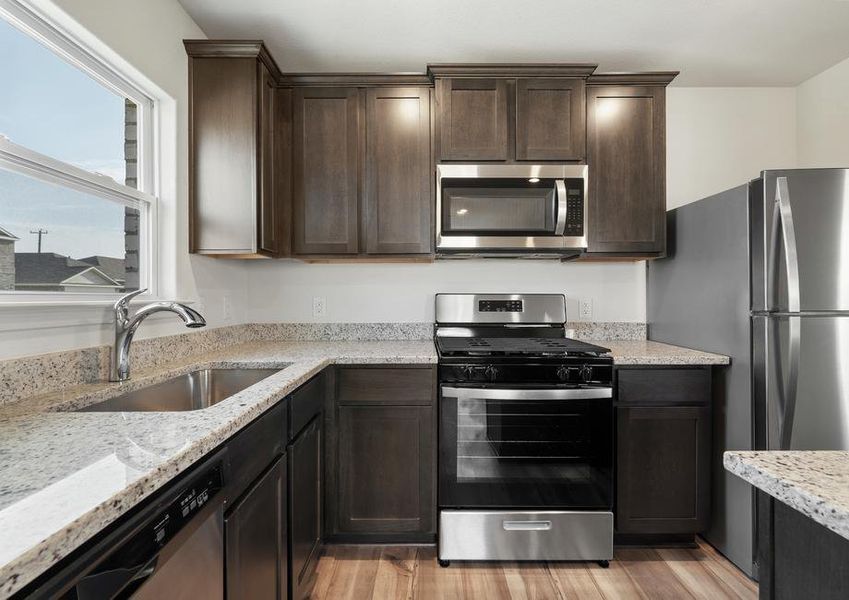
663, 469
305, 501
255, 534
385, 469
381, 449
663, 437
798, 557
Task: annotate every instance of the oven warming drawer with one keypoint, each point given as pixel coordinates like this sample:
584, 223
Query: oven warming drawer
524, 535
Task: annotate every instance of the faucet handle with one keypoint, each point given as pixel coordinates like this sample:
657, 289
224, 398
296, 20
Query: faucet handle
123, 303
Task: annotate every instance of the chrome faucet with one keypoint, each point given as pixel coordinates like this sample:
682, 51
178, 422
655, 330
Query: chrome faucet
125, 329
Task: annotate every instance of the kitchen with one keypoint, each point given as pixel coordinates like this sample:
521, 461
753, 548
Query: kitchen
465, 319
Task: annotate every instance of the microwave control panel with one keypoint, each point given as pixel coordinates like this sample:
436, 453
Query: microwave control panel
574, 209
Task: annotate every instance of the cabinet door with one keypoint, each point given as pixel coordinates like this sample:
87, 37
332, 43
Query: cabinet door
385, 469
222, 156
550, 119
326, 140
269, 229
255, 533
305, 509
398, 171
627, 164
663, 469
472, 119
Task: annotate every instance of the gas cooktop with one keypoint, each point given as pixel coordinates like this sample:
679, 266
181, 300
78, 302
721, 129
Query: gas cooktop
516, 346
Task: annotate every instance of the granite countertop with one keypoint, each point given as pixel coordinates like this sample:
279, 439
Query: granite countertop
65, 476
646, 352
814, 482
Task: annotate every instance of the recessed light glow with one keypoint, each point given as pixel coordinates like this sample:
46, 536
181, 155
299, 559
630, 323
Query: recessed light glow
533, 180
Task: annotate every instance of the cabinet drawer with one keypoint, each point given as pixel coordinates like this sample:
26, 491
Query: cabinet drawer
385, 385
305, 403
663, 386
252, 450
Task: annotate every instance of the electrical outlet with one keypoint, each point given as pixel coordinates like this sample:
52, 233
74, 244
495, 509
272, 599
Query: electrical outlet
586, 311
319, 307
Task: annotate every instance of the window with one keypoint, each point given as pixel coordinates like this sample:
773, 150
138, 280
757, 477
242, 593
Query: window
77, 211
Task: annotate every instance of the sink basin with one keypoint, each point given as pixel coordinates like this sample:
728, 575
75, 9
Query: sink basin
192, 391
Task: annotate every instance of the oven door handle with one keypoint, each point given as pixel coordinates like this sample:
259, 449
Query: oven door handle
562, 206
465, 393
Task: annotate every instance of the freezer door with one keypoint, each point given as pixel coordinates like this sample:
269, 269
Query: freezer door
803, 258
801, 382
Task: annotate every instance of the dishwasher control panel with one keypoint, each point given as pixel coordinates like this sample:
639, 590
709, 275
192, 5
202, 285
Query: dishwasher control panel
187, 504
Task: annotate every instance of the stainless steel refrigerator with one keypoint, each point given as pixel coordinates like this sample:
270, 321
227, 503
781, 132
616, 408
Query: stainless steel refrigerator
761, 273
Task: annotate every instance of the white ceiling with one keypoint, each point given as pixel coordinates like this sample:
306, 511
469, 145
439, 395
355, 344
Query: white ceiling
712, 42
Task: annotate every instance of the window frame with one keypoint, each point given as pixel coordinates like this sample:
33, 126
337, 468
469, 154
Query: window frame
25, 161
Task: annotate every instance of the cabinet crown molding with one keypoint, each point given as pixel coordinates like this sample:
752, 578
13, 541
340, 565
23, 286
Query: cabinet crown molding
660, 78
582, 70
232, 49
354, 79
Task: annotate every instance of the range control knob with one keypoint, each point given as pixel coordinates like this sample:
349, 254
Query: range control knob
563, 373
468, 372
586, 373
491, 373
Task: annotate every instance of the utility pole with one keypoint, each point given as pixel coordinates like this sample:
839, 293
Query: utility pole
39, 233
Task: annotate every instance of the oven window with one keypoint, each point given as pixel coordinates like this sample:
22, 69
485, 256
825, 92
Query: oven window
498, 206
505, 440
525, 452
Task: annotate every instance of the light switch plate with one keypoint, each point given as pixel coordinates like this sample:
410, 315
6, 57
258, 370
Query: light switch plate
319, 307
586, 311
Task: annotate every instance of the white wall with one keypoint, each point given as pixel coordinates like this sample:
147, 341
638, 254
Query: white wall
718, 138
283, 291
146, 37
822, 117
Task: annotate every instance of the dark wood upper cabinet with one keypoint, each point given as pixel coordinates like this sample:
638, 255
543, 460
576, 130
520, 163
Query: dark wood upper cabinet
397, 186
511, 113
235, 206
550, 119
472, 119
626, 155
326, 136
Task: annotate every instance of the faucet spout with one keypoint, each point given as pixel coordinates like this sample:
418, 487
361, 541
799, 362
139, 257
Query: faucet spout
126, 326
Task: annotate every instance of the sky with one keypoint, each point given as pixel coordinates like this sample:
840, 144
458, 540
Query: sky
56, 109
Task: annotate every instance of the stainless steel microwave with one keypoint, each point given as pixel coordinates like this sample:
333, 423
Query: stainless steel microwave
511, 210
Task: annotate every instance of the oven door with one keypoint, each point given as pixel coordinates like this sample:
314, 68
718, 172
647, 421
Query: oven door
523, 447
511, 207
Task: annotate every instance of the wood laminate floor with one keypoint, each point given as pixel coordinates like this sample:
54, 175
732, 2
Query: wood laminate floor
389, 572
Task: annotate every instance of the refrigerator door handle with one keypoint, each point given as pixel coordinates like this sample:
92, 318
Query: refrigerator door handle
783, 218
786, 423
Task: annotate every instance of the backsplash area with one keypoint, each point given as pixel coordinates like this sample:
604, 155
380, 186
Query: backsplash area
44, 373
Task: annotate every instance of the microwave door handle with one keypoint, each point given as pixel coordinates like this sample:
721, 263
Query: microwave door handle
562, 206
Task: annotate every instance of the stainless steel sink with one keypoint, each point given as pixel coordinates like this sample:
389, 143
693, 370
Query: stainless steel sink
192, 391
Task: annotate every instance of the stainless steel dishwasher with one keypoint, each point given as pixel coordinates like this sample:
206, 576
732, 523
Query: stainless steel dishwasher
172, 548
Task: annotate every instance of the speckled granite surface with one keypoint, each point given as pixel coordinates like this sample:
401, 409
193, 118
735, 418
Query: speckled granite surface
644, 352
814, 482
613, 330
65, 476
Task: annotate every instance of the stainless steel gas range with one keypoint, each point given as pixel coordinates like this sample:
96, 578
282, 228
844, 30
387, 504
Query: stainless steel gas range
525, 432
